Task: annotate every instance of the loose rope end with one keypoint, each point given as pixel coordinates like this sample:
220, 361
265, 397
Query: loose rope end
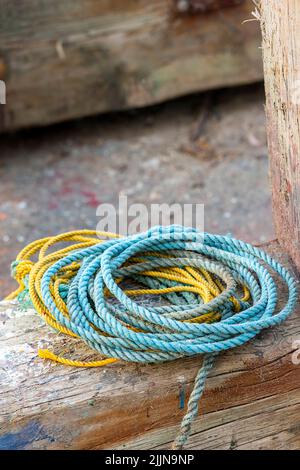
176, 446
46, 354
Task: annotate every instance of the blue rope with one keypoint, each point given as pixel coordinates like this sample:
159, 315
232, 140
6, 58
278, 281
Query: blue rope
165, 336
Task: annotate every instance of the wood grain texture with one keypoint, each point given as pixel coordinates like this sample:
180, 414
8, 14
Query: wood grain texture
75, 58
252, 397
281, 50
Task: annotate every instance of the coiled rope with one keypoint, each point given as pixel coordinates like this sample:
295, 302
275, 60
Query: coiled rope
220, 293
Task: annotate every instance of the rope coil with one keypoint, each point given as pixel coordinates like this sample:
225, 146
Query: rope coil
215, 293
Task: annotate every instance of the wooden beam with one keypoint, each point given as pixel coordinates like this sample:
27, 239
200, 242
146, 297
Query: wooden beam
251, 401
281, 52
64, 60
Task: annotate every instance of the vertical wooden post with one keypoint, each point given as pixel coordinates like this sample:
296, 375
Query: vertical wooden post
280, 20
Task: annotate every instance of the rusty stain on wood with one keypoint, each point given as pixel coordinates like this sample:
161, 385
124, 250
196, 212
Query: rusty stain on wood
251, 398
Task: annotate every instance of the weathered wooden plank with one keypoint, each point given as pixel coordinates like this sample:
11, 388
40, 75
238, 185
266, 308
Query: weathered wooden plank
63, 60
265, 424
252, 398
281, 49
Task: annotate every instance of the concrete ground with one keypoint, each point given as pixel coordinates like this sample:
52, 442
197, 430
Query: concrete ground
207, 148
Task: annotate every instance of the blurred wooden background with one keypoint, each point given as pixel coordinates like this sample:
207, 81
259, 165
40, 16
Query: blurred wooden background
63, 60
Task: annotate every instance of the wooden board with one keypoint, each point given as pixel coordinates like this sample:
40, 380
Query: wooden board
63, 60
252, 397
281, 45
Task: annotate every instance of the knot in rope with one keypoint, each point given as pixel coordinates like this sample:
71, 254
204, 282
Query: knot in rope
20, 268
214, 293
